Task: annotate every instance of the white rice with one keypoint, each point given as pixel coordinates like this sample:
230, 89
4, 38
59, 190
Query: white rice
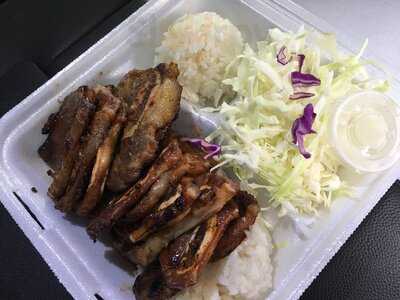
245, 274
202, 45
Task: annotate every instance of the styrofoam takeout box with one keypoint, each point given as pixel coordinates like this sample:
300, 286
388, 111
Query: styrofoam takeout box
91, 270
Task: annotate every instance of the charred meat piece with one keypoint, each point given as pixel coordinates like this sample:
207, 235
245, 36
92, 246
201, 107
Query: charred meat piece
108, 106
155, 104
215, 193
135, 88
146, 252
192, 164
158, 190
150, 285
236, 232
168, 159
61, 127
183, 260
120, 239
169, 212
102, 164
77, 127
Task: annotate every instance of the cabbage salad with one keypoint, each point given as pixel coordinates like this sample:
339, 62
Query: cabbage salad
274, 134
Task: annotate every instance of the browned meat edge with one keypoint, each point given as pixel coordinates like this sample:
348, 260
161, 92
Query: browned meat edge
169, 212
212, 199
152, 114
105, 115
184, 259
135, 88
101, 167
58, 125
100, 170
163, 186
236, 232
192, 164
78, 126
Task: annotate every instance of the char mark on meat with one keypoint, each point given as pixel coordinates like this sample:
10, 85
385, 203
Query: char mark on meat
135, 88
167, 160
67, 141
192, 164
236, 232
108, 106
169, 212
184, 259
159, 189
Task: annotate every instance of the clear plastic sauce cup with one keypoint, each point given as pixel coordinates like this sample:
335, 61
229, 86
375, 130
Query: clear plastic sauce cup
365, 131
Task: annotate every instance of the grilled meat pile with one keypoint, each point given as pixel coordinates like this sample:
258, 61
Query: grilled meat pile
164, 209
107, 136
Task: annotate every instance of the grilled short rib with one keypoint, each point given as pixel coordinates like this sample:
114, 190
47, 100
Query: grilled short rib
107, 109
236, 232
104, 156
167, 160
184, 258
155, 96
65, 127
71, 138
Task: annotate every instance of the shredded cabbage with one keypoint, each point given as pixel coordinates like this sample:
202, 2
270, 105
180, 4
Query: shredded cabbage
256, 126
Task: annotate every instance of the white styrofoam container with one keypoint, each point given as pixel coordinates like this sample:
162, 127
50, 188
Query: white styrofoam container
90, 270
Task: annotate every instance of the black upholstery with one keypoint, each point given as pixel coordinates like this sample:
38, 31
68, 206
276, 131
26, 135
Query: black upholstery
37, 39
40, 31
24, 274
368, 265
89, 38
19, 82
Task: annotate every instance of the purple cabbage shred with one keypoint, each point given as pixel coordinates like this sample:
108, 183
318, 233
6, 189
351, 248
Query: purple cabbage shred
304, 80
282, 56
211, 149
301, 95
303, 126
301, 58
